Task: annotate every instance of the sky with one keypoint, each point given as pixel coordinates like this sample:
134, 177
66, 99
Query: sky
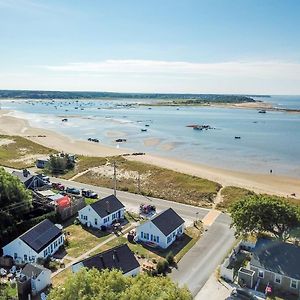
166, 46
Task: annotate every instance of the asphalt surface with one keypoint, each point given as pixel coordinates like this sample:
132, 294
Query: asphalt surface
201, 261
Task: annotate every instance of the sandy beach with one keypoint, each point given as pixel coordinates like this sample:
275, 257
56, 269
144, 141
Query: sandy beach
263, 183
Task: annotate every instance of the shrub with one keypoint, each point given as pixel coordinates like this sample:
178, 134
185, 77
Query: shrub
170, 258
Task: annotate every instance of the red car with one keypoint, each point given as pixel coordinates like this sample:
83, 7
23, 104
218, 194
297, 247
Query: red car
58, 186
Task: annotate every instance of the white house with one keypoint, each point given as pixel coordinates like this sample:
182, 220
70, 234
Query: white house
163, 229
34, 279
42, 240
102, 212
119, 258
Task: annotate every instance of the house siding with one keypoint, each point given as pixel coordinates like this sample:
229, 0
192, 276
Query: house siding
23, 251
269, 277
41, 282
88, 216
150, 229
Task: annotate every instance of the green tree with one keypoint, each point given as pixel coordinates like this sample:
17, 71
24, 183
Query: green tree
112, 285
262, 213
15, 200
59, 164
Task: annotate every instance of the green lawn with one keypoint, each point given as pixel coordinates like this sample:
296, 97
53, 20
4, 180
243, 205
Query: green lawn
81, 239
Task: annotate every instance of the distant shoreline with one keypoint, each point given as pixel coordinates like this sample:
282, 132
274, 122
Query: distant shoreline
261, 183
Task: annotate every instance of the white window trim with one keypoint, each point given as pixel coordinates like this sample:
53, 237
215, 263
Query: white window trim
263, 273
278, 277
293, 280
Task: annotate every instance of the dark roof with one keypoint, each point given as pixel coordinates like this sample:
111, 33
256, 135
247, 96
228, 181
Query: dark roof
120, 258
278, 257
32, 270
23, 176
107, 206
41, 235
167, 221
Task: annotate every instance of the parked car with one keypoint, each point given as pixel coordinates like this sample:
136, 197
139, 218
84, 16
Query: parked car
45, 178
89, 194
18, 273
13, 270
240, 293
73, 191
58, 186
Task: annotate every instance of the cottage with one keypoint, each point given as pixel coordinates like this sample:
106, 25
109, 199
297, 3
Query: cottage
33, 279
162, 230
42, 240
278, 264
102, 212
31, 181
119, 258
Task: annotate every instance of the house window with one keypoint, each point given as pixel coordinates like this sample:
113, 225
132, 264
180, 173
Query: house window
45, 253
277, 278
81, 217
96, 221
157, 239
15, 255
294, 284
261, 274
151, 237
169, 239
142, 234
25, 257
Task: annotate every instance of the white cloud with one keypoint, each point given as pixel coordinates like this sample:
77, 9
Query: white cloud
257, 69
259, 77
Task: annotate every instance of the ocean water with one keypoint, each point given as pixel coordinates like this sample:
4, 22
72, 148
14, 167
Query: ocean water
268, 141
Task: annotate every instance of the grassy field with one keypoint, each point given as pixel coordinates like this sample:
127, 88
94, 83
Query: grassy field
80, 240
154, 181
60, 278
20, 153
231, 194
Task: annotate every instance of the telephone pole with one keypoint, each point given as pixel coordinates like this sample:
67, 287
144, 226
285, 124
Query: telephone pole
139, 182
115, 178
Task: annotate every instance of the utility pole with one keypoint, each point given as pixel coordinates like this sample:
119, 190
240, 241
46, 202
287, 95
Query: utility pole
115, 178
139, 182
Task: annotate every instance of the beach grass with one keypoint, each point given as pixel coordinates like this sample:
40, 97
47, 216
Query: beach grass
154, 181
19, 152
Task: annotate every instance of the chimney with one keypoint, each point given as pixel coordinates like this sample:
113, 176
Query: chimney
102, 260
115, 256
107, 207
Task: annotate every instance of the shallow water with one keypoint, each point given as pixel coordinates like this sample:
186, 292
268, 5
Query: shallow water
268, 141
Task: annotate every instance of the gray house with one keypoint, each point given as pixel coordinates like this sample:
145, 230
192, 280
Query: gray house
278, 264
31, 181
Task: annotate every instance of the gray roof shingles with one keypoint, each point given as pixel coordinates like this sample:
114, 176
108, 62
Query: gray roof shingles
278, 257
167, 221
120, 258
107, 206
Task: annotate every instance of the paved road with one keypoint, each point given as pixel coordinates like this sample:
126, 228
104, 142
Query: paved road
200, 262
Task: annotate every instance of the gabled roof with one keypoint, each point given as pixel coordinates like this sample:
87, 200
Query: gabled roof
33, 270
41, 235
107, 206
167, 221
23, 176
120, 258
278, 257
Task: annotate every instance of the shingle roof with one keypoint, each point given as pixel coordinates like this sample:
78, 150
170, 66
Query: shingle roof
32, 270
278, 257
107, 206
41, 235
20, 175
167, 221
120, 258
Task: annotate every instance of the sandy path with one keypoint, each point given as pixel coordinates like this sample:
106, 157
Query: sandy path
268, 183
